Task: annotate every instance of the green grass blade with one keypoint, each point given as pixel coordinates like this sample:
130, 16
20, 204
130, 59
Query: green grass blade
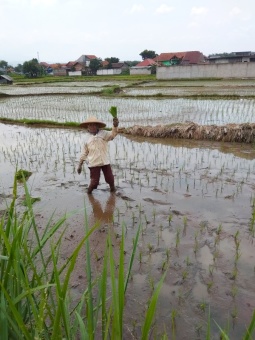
21, 326
103, 286
151, 310
115, 322
63, 289
121, 291
251, 328
90, 314
83, 331
223, 334
208, 330
132, 257
3, 319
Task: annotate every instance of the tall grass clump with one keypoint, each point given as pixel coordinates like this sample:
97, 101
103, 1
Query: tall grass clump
35, 301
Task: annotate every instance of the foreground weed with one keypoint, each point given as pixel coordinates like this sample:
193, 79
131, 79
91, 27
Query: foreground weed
35, 288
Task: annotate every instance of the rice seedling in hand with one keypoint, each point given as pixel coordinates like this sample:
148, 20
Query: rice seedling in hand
113, 111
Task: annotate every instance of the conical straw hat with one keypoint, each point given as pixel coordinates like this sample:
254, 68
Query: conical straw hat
92, 120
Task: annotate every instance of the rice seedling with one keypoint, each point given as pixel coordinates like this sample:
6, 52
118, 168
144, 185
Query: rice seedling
211, 269
237, 256
209, 285
184, 274
234, 273
174, 314
150, 248
177, 238
168, 254
234, 312
170, 217
202, 306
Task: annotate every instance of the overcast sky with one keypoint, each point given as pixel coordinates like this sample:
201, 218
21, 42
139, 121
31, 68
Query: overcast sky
63, 30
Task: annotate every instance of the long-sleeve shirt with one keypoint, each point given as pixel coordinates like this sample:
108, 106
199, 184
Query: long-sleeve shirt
95, 149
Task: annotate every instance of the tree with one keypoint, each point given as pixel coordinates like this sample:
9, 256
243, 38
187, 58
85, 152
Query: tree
146, 54
95, 64
111, 61
18, 68
32, 68
3, 64
132, 62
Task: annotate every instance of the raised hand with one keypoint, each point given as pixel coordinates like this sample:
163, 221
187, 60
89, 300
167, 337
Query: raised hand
115, 122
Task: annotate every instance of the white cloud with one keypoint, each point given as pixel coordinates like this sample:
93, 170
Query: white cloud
193, 24
235, 11
164, 9
137, 8
199, 10
43, 2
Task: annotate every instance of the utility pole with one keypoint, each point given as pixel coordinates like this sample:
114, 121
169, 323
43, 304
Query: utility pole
38, 57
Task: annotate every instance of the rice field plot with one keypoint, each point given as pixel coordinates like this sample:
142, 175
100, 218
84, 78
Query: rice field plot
48, 89
132, 111
215, 88
195, 203
189, 91
60, 87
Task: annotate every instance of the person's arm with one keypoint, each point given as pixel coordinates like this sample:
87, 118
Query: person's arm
83, 157
111, 135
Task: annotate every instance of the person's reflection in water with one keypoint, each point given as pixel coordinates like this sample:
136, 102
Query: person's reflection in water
105, 219
100, 215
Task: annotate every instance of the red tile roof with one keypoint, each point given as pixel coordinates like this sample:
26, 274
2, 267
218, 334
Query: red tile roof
91, 56
146, 62
70, 63
188, 57
44, 64
104, 63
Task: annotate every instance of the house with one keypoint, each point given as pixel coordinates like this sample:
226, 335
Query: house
120, 66
47, 67
180, 58
78, 66
144, 67
4, 79
233, 57
104, 63
70, 65
117, 68
85, 59
59, 69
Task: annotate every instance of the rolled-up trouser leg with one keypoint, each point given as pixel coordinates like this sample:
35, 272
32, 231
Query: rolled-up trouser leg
94, 177
108, 175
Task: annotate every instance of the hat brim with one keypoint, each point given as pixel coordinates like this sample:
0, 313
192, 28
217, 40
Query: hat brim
86, 124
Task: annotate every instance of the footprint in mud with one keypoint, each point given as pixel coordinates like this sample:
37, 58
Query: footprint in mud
156, 201
126, 198
178, 213
158, 190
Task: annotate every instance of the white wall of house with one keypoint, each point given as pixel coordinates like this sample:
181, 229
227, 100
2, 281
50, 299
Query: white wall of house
140, 70
74, 73
231, 70
108, 72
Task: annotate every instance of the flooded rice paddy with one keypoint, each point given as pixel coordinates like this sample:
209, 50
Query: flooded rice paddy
132, 111
195, 202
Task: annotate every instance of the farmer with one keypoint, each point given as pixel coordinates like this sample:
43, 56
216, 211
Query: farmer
96, 153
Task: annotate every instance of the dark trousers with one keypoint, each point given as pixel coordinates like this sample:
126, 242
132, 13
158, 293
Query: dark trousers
95, 175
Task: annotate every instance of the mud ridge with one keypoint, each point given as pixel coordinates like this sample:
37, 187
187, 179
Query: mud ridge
241, 133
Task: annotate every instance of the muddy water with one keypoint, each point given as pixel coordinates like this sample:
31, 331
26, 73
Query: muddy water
194, 201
